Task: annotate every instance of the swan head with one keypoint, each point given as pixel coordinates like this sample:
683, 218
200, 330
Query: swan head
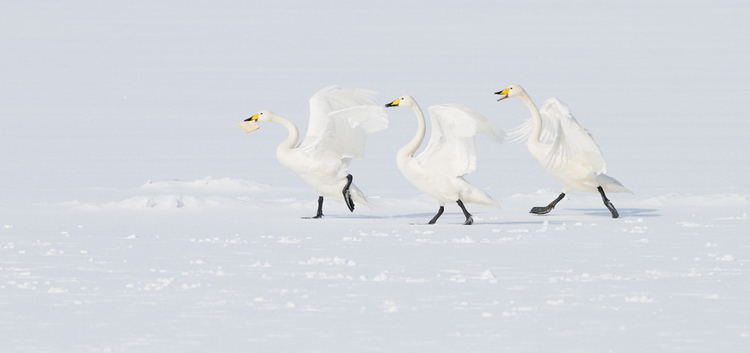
511, 91
404, 101
249, 124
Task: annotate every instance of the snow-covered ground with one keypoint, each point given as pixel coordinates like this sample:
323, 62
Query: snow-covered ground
136, 216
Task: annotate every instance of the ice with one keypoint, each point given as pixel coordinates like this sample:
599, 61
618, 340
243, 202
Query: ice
137, 217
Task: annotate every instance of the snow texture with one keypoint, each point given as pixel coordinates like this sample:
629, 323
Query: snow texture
135, 216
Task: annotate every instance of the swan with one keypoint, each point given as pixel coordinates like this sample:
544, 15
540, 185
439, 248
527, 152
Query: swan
564, 148
339, 120
438, 170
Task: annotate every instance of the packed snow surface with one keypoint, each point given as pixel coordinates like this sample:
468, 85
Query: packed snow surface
136, 216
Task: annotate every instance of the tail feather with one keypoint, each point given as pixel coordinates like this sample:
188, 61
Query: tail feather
476, 195
610, 184
358, 196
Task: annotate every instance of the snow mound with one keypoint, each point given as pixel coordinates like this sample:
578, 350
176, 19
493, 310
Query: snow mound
163, 202
203, 194
207, 184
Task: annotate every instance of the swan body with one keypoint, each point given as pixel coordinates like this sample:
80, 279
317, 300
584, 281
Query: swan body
340, 118
564, 148
438, 170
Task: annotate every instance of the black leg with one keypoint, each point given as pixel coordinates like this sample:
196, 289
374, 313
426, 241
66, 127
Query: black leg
434, 219
320, 209
548, 208
469, 218
609, 205
348, 194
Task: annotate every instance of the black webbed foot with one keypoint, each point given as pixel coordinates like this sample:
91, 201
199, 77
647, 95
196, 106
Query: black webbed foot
435, 218
469, 218
541, 210
347, 193
612, 209
548, 208
608, 204
319, 214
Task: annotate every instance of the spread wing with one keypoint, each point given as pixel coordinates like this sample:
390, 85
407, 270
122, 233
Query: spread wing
550, 127
570, 141
451, 148
340, 118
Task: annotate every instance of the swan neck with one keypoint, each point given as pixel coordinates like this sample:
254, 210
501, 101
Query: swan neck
410, 148
536, 133
293, 136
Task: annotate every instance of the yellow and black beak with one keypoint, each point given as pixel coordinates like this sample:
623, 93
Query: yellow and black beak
394, 103
249, 124
253, 118
503, 93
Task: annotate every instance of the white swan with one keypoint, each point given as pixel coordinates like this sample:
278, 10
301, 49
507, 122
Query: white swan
564, 148
437, 171
339, 121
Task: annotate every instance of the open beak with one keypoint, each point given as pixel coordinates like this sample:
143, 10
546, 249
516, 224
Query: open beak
394, 103
503, 93
249, 124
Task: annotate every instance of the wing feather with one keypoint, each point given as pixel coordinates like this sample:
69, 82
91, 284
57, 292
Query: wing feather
451, 148
340, 119
570, 141
345, 133
551, 115
332, 99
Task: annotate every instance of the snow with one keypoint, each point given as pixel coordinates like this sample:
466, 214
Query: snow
135, 216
